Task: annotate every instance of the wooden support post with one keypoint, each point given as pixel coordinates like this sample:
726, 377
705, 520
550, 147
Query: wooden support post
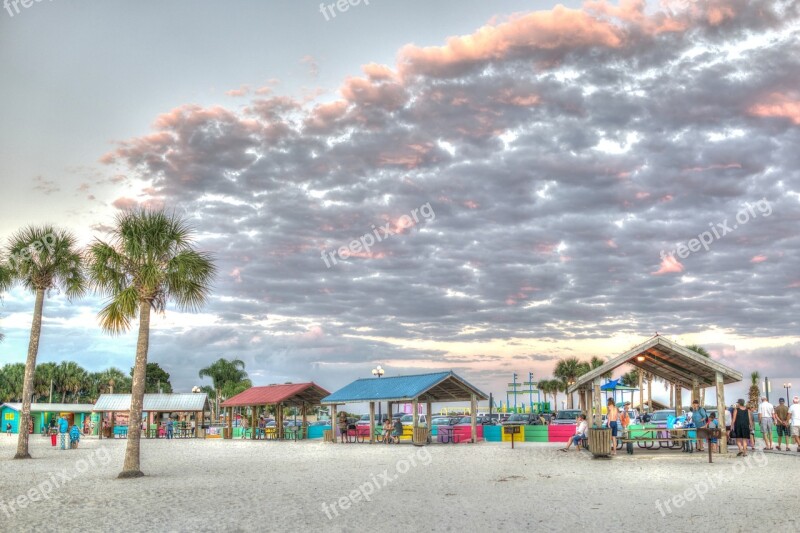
641, 390
333, 420
678, 400
415, 410
253, 424
279, 420
473, 408
230, 422
695, 391
372, 422
428, 417
389, 411
597, 419
304, 413
723, 441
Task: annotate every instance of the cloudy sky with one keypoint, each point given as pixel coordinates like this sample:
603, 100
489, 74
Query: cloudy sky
536, 179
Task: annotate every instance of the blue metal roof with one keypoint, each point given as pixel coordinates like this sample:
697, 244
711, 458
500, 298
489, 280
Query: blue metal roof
400, 388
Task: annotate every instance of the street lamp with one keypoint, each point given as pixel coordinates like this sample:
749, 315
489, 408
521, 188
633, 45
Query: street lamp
378, 371
787, 386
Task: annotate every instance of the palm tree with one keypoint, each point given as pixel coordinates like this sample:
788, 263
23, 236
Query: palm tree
754, 391
5, 282
568, 370
149, 261
12, 377
69, 377
44, 378
45, 258
544, 387
222, 372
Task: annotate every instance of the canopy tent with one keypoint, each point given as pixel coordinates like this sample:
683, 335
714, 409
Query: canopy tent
665, 359
613, 386
297, 394
427, 388
194, 403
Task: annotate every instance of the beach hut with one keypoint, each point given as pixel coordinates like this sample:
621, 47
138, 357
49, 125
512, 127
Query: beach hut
438, 387
300, 395
42, 413
668, 360
193, 404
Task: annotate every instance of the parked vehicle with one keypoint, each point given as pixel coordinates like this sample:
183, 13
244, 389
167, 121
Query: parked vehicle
565, 417
364, 420
408, 420
443, 421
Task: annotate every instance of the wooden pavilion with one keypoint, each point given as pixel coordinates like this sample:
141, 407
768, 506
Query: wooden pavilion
668, 360
426, 388
302, 395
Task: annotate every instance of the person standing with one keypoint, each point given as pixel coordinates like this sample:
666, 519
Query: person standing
625, 420
752, 412
740, 427
782, 422
713, 424
343, 426
794, 421
700, 419
613, 422
170, 428
766, 416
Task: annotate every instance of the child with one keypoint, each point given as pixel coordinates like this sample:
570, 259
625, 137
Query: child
713, 424
8, 429
398, 430
387, 431
74, 436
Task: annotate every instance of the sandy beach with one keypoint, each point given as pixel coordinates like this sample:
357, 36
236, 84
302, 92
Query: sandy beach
216, 485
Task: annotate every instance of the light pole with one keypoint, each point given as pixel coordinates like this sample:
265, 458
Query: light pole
515, 392
530, 389
787, 386
378, 371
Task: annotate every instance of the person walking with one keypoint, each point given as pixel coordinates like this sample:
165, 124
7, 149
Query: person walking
343, 426
782, 423
740, 427
794, 421
613, 422
700, 420
766, 417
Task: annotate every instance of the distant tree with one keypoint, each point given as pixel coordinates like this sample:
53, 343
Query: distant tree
224, 372
754, 393
12, 377
156, 378
702, 351
568, 370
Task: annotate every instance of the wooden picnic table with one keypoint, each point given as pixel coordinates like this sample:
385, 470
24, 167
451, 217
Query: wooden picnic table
671, 438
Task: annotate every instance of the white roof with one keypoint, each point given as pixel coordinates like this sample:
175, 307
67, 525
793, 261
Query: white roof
168, 403
54, 407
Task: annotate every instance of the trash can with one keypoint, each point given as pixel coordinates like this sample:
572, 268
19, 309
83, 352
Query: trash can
600, 442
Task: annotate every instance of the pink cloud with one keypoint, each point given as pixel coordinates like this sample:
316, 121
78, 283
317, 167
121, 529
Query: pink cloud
556, 32
376, 72
758, 259
778, 105
669, 265
244, 90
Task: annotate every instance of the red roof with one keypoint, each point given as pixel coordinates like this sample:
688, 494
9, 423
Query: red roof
273, 394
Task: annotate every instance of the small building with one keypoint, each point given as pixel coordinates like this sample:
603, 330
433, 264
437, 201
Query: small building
42, 413
115, 408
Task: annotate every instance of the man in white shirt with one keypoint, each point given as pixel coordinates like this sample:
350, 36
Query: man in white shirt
766, 413
794, 420
580, 434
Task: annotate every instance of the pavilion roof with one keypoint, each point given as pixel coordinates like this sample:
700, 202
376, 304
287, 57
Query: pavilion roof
433, 387
173, 403
297, 393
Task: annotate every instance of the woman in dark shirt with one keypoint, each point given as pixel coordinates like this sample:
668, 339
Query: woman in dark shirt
740, 427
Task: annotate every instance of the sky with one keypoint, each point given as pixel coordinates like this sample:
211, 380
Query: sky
483, 187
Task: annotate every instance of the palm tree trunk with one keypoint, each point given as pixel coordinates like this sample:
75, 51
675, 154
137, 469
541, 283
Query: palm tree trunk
131, 466
27, 383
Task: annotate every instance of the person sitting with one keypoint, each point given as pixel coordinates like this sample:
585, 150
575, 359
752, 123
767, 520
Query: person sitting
387, 431
398, 430
74, 436
580, 434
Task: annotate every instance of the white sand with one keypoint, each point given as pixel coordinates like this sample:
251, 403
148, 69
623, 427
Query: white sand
216, 485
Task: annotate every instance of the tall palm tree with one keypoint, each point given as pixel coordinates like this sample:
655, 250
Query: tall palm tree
44, 258
568, 370
149, 261
223, 371
68, 378
5, 282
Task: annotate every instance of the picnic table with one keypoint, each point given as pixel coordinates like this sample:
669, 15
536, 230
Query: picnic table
670, 438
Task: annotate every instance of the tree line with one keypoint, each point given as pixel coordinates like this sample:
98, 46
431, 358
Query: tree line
69, 382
